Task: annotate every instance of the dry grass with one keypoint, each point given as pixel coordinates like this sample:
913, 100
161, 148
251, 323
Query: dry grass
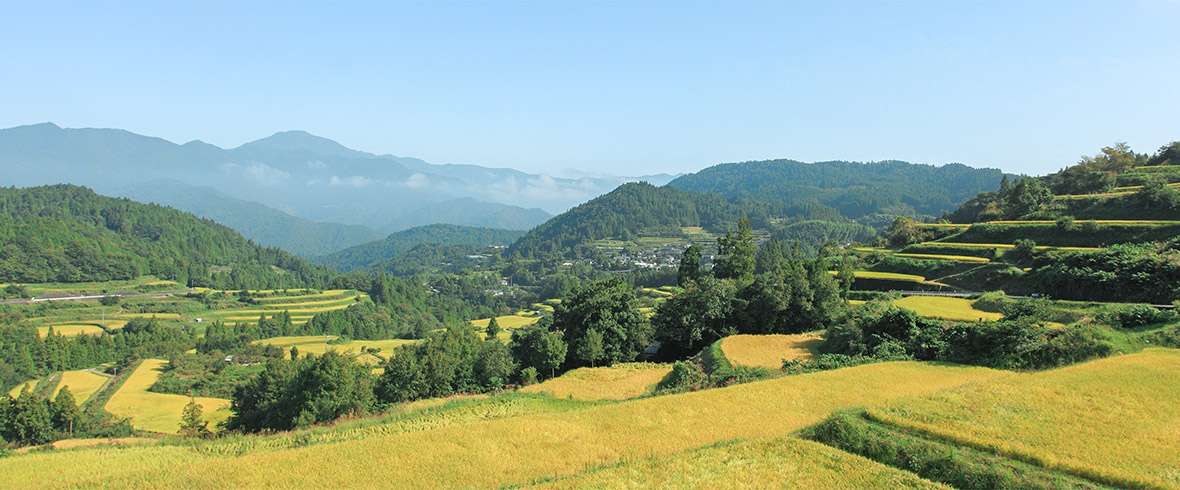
15, 392
158, 412
71, 329
82, 384
768, 351
510, 322
1116, 420
764, 463
89, 443
504, 451
947, 308
618, 382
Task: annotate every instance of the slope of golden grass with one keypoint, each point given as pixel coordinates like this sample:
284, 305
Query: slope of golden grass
82, 384
618, 382
505, 451
768, 351
764, 463
158, 412
947, 308
510, 322
1115, 420
71, 329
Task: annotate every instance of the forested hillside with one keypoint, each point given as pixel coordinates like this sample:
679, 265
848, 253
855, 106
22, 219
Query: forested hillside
368, 254
66, 233
855, 189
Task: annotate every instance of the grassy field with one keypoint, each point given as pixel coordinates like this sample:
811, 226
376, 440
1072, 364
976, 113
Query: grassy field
1011, 246
781, 462
145, 284
768, 351
82, 384
71, 329
958, 309
956, 258
489, 453
317, 344
510, 322
15, 391
618, 382
1097, 221
158, 412
885, 275
1115, 420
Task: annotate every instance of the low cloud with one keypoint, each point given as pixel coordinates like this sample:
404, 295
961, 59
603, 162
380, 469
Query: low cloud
258, 173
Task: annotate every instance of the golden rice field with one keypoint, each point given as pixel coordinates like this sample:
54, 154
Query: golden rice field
510, 322
1115, 420
497, 452
87, 443
956, 258
1097, 221
82, 384
15, 392
328, 294
768, 351
317, 344
618, 382
158, 316
945, 225
1009, 246
884, 275
762, 463
946, 308
71, 329
158, 412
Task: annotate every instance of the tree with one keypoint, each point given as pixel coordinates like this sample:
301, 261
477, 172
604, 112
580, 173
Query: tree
690, 266
294, 353
539, 348
191, 423
65, 412
1027, 195
696, 317
493, 329
737, 250
494, 366
608, 306
591, 348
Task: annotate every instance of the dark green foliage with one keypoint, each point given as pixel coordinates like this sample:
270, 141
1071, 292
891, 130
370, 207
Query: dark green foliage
528, 376
208, 375
610, 308
448, 362
855, 189
372, 253
690, 267
1132, 316
685, 376
65, 233
960, 467
64, 412
539, 348
1057, 236
737, 250
190, 420
810, 235
493, 329
292, 394
695, 317
1147, 272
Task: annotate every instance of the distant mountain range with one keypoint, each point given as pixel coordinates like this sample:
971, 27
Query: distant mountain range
299, 174
372, 253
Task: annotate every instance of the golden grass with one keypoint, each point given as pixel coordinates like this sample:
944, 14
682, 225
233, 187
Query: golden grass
945, 225
657, 292
158, 316
956, 258
302, 305
506, 451
510, 322
71, 329
317, 345
158, 412
89, 443
884, 275
1115, 420
308, 297
1098, 221
618, 382
15, 392
947, 308
763, 463
1009, 246
768, 351
82, 384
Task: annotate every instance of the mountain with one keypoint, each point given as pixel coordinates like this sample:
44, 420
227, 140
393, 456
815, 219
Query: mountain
368, 254
855, 189
300, 174
265, 226
66, 233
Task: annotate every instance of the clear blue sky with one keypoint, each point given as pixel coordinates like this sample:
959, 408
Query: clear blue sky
614, 87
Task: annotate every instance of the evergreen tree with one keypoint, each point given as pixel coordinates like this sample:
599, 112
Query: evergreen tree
294, 353
690, 266
191, 423
591, 348
493, 329
65, 412
608, 306
737, 250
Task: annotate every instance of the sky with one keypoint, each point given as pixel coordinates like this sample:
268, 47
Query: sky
620, 88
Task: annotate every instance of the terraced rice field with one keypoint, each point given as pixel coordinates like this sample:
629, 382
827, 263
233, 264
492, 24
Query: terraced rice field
1009, 246
158, 316
15, 391
1121, 191
618, 382
71, 329
317, 344
768, 351
946, 308
82, 384
490, 453
1097, 221
885, 275
324, 295
780, 462
511, 322
158, 412
956, 258
1115, 420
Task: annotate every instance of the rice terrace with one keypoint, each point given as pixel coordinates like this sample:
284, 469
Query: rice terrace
590, 245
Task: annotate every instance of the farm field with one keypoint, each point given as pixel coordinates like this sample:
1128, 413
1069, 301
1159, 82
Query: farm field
142, 284
82, 384
1113, 420
511, 322
1011, 246
158, 412
618, 382
71, 329
946, 308
508, 451
885, 275
782, 462
16, 390
768, 351
956, 258
317, 344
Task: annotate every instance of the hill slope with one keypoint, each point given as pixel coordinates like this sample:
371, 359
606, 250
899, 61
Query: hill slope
368, 254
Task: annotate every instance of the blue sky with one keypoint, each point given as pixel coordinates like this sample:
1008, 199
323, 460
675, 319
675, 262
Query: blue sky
612, 87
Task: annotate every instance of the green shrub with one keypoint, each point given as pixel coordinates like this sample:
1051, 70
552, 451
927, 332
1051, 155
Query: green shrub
685, 376
528, 376
1132, 316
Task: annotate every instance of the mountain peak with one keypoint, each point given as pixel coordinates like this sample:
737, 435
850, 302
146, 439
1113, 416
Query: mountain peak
298, 140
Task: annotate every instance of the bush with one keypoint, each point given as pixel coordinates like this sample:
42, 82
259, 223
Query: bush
1135, 316
1065, 223
685, 376
528, 376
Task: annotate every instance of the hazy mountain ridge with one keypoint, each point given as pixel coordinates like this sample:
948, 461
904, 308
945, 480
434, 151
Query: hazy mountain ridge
369, 254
